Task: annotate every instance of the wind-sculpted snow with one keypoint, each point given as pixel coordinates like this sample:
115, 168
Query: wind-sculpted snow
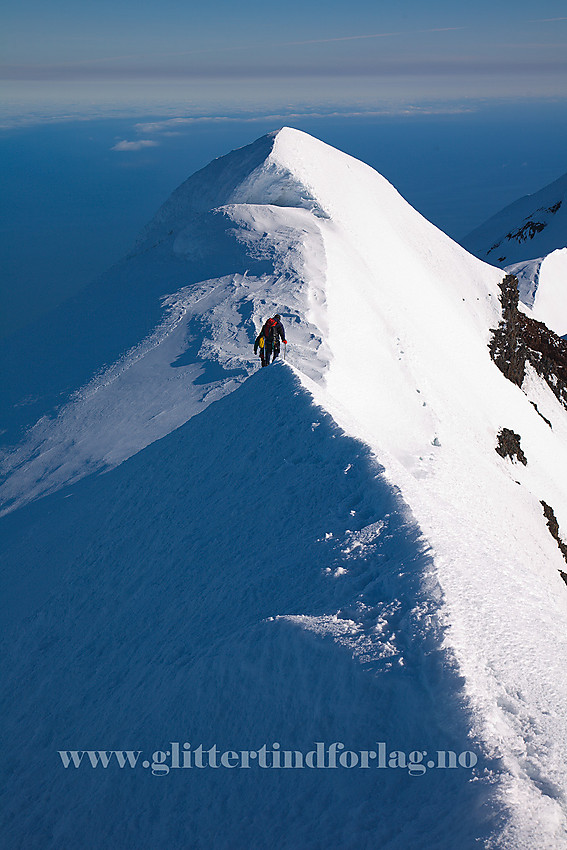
271, 184
542, 285
200, 351
165, 617
200, 347
307, 581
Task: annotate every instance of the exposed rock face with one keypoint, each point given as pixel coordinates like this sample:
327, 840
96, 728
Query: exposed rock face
553, 526
507, 347
528, 229
509, 446
532, 226
519, 339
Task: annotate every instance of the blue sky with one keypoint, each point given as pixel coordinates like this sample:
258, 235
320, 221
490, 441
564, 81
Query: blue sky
145, 39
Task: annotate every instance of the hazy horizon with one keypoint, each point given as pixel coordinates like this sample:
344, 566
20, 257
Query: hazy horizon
105, 110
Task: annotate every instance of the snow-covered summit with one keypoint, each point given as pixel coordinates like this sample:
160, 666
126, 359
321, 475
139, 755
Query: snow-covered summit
170, 328
390, 326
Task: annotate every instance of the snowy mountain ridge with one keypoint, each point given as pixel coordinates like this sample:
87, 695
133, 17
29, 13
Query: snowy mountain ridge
528, 239
532, 226
541, 284
389, 325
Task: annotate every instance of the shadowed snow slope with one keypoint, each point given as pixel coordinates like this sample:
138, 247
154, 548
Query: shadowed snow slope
165, 617
532, 226
413, 581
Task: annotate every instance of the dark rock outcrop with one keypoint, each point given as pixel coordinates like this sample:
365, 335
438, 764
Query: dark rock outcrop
519, 339
553, 526
529, 228
527, 231
507, 347
539, 413
509, 446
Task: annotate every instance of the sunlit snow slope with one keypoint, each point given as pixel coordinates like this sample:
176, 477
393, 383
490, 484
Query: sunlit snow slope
529, 239
439, 545
542, 285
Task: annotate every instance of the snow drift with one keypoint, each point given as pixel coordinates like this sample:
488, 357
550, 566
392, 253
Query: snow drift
193, 601
529, 239
414, 588
543, 289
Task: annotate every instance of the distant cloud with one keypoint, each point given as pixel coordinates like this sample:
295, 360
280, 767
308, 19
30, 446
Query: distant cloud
546, 20
134, 146
101, 67
373, 35
164, 128
402, 63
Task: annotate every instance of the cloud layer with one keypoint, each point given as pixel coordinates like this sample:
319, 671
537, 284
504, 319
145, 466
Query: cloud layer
136, 145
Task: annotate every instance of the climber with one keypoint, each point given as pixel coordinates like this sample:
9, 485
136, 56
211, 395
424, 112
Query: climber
268, 340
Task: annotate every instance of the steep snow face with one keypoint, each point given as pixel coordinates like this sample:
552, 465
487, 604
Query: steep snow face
257, 230
389, 323
166, 332
185, 597
528, 239
532, 226
409, 315
543, 289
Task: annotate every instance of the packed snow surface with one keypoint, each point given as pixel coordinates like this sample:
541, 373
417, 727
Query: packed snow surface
542, 285
328, 549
